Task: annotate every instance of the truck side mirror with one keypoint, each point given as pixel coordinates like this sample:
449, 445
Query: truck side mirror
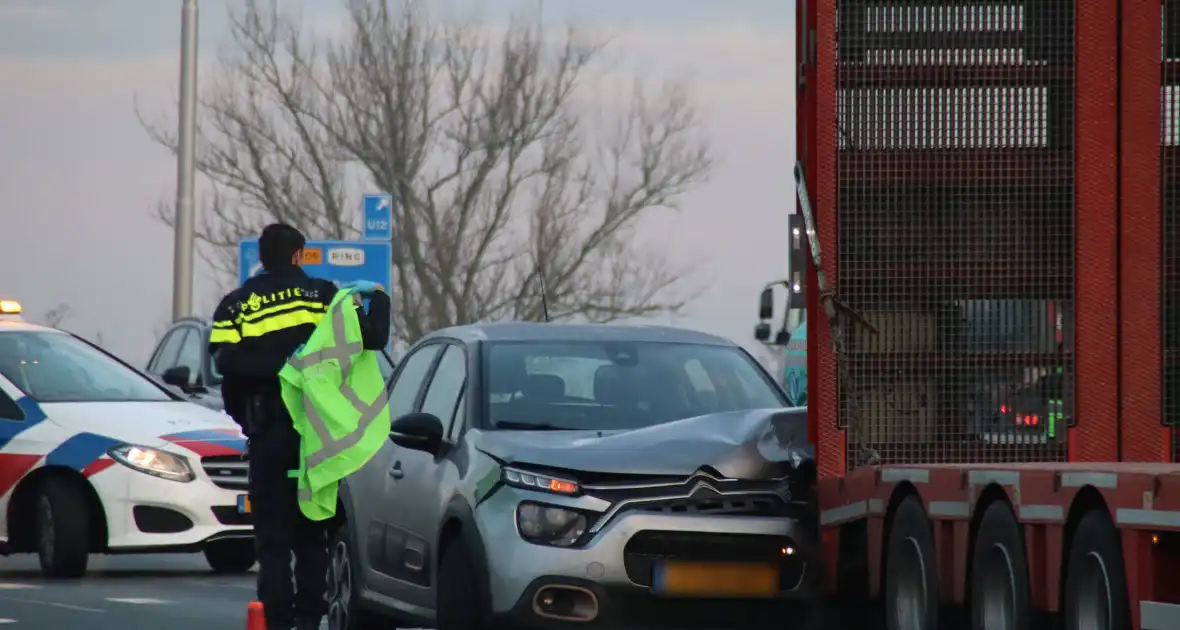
762, 332
766, 304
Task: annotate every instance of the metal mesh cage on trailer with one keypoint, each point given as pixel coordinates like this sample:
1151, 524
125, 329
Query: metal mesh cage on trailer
1170, 192
955, 228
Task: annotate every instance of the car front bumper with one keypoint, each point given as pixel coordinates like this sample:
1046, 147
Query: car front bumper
150, 514
616, 565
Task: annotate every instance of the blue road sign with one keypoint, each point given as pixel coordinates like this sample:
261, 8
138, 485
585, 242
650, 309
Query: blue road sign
378, 211
338, 261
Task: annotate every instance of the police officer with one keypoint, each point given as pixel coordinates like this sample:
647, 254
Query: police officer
256, 328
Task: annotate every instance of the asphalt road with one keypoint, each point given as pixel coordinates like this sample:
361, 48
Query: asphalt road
164, 592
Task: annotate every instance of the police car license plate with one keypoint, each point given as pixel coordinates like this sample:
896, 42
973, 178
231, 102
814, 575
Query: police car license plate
244, 504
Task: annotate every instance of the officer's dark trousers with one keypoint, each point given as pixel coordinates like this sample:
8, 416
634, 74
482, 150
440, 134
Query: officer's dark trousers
280, 529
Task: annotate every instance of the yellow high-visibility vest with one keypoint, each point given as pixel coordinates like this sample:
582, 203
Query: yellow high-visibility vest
336, 396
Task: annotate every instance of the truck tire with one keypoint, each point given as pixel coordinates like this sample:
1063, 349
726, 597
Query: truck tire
911, 571
62, 523
999, 573
1095, 579
234, 555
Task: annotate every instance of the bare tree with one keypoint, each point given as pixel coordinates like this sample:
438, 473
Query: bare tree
56, 316
506, 174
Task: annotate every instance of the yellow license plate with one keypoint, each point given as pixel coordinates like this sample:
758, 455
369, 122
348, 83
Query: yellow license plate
716, 579
244, 506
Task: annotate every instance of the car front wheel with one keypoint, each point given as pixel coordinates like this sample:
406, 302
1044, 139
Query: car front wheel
62, 524
460, 605
235, 555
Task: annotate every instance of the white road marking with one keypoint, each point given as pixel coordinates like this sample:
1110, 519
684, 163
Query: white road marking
7, 620
210, 584
137, 600
41, 602
12, 586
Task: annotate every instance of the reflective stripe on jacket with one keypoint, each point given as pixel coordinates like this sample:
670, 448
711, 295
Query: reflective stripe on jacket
336, 396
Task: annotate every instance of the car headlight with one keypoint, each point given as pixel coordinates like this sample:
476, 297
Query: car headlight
549, 525
153, 462
534, 481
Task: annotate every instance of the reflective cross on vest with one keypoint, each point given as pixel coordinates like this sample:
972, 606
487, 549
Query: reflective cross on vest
336, 396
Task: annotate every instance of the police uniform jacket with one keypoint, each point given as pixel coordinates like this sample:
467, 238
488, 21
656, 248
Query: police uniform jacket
258, 326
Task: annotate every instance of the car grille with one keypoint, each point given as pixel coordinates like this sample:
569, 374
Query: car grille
649, 547
704, 493
628, 487
728, 506
227, 471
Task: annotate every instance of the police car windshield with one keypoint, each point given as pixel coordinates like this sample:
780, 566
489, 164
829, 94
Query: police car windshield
604, 385
53, 367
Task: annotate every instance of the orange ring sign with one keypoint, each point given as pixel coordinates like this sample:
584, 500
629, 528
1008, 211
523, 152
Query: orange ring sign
313, 256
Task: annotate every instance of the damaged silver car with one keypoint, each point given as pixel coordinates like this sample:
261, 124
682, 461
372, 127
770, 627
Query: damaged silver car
549, 475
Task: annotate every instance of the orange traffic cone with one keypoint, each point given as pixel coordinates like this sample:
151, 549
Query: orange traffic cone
254, 617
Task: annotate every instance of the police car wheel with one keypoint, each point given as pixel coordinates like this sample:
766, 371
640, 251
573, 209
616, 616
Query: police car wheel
62, 524
230, 556
459, 599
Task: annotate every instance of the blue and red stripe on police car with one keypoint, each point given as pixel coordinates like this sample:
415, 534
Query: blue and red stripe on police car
86, 452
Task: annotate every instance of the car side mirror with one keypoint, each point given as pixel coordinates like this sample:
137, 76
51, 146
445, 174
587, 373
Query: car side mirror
419, 431
178, 376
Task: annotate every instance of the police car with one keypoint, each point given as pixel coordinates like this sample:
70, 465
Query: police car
96, 457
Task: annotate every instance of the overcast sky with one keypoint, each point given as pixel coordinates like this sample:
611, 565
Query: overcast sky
79, 177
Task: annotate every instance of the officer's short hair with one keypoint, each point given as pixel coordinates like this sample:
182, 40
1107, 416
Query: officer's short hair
277, 244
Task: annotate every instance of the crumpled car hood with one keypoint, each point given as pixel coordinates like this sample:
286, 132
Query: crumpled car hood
752, 444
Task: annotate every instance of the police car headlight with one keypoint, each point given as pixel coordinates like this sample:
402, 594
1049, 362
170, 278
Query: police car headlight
153, 462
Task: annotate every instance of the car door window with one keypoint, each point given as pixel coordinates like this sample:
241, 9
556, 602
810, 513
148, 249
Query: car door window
409, 380
446, 386
460, 417
166, 356
215, 377
190, 354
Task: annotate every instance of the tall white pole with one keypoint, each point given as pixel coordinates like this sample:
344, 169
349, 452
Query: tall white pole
185, 226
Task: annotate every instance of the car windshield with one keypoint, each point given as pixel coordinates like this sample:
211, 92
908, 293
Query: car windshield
618, 385
54, 367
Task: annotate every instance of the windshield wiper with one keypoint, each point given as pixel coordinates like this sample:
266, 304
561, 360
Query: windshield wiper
529, 426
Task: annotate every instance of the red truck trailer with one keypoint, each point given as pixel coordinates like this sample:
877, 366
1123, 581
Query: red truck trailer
993, 194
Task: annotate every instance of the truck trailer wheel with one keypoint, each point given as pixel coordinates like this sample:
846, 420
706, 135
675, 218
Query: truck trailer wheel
1095, 580
999, 573
911, 576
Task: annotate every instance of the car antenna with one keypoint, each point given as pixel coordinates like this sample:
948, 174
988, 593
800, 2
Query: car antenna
544, 297
544, 290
